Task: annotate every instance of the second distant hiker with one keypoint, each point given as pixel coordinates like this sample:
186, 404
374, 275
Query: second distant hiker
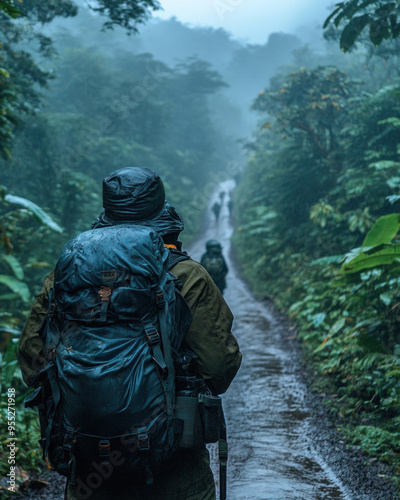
216, 208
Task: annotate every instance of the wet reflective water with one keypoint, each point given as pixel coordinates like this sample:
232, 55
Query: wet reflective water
270, 455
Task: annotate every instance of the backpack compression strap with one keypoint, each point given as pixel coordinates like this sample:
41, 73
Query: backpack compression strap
175, 256
162, 354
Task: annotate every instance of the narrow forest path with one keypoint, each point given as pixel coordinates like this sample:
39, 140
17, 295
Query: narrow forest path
271, 453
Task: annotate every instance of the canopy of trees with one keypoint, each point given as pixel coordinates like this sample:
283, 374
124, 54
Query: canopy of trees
379, 17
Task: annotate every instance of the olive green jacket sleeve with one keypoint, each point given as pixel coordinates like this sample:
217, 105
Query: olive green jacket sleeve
30, 353
209, 335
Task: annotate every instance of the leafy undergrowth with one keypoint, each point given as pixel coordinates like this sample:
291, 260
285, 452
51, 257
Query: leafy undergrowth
348, 323
348, 327
20, 456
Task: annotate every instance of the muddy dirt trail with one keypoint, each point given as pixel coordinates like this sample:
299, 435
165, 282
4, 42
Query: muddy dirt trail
270, 427
270, 455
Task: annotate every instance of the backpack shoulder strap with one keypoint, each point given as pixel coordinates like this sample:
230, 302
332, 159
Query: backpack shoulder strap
176, 256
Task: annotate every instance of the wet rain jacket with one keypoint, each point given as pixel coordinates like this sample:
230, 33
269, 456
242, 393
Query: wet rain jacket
209, 336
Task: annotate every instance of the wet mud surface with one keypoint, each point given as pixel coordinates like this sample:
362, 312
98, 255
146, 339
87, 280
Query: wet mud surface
282, 445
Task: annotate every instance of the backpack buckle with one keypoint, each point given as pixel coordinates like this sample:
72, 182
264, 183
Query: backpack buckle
105, 294
143, 442
52, 309
160, 301
154, 340
104, 450
153, 337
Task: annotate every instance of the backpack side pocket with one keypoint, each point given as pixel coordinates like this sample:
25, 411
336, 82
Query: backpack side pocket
211, 415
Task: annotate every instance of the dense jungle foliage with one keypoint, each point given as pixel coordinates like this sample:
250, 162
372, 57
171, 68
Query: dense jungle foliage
317, 212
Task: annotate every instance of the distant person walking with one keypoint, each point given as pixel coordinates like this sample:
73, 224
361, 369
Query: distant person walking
216, 208
230, 206
214, 262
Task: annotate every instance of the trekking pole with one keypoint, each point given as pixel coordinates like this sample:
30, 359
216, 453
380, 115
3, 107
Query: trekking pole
223, 458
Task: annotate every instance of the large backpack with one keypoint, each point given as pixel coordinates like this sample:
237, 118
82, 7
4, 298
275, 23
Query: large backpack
114, 329
215, 265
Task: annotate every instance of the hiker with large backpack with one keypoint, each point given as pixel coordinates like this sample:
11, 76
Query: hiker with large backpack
214, 262
128, 346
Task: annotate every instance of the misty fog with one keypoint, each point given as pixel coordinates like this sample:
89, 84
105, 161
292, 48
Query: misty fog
246, 68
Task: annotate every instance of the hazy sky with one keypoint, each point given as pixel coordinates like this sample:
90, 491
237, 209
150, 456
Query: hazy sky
252, 20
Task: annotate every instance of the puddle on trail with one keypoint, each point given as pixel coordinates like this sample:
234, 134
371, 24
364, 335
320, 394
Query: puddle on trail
270, 455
